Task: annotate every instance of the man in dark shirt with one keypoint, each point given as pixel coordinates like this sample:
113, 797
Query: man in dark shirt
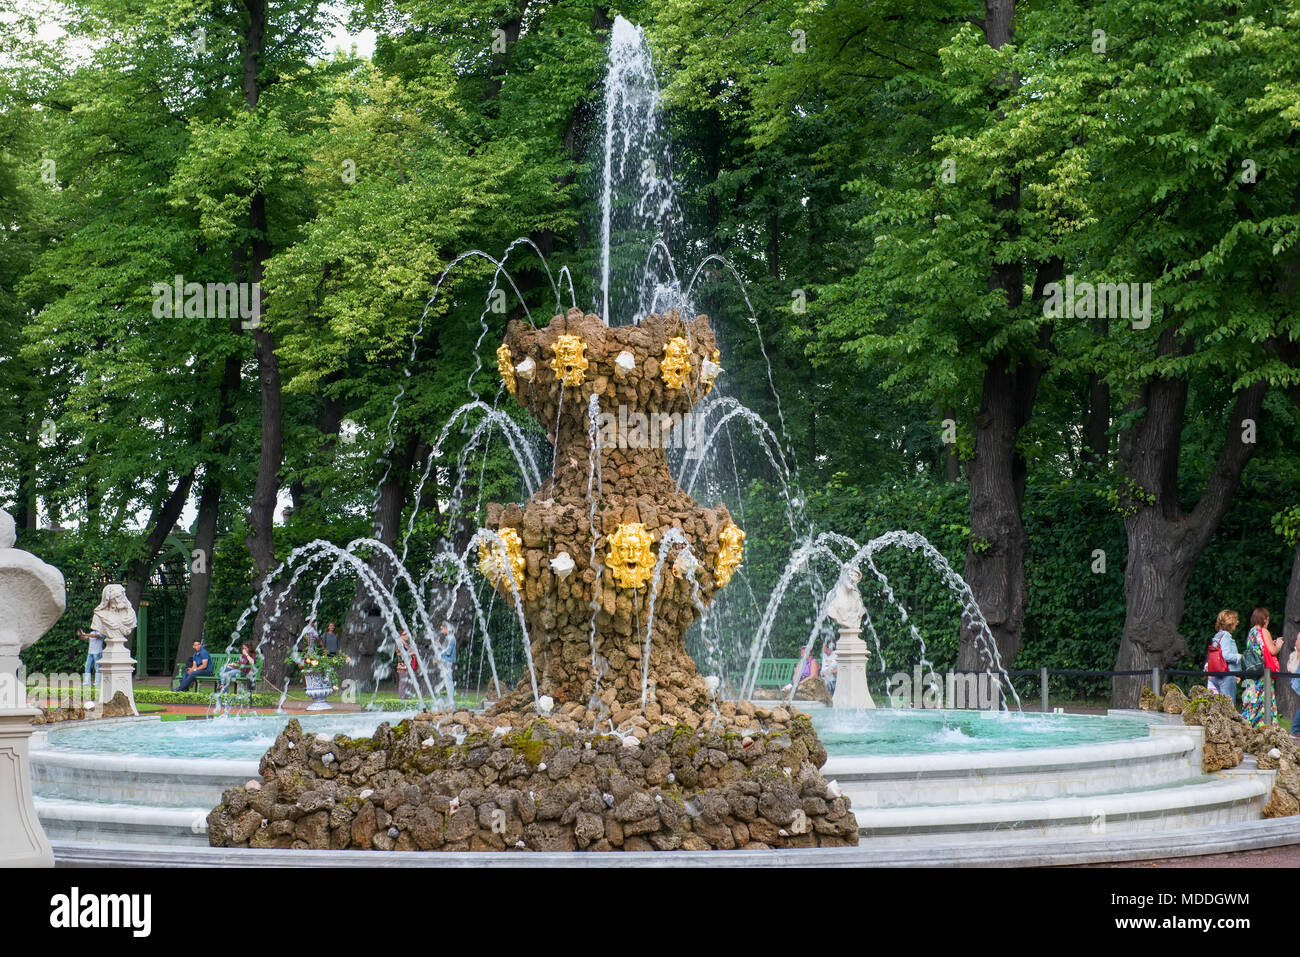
201, 666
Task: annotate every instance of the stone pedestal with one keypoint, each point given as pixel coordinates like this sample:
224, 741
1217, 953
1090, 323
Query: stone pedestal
116, 673
32, 598
851, 655
22, 842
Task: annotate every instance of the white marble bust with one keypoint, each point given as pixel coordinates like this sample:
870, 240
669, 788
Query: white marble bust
114, 617
846, 608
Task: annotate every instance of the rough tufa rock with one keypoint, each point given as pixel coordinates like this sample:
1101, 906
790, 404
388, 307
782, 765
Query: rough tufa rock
1228, 737
1174, 699
538, 787
583, 658
814, 689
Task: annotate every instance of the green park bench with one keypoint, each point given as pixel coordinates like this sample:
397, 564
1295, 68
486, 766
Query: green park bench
775, 672
219, 661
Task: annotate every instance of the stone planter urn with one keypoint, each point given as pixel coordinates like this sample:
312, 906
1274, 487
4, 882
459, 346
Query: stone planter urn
318, 689
32, 598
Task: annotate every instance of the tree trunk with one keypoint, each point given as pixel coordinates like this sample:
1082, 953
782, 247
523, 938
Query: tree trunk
25, 516
364, 629
205, 529
1287, 700
1164, 543
161, 522
1096, 441
995, 558
205, 540
951, 457
274, 631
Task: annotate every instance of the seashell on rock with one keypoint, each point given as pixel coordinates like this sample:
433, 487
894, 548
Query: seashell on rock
526, 369
562, 565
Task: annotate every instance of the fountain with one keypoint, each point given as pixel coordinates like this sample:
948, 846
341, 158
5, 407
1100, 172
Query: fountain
611, 738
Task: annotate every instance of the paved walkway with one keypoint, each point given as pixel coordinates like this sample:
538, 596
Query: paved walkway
1264, 857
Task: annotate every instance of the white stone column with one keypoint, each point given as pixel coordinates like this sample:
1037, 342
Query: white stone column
846, 609
851, 654
116, 673
32, 598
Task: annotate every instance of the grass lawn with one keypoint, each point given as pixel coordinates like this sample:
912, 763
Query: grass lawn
386, 700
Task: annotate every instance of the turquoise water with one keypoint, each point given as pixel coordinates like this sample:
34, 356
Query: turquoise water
908, 731
225, 737
844, 733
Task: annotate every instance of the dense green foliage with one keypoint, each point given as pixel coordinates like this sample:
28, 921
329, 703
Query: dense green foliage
851, 160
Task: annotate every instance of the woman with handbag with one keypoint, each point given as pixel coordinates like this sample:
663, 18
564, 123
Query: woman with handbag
1260, 655
1223, 655
1293, 666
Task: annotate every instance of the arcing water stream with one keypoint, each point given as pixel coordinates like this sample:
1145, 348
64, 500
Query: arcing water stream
639, 216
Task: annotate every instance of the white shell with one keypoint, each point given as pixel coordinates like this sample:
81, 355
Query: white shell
453, 804
545, 704
1274, 753
367, 793
322, 739
541, 765
253, 786
625, 361
562, 565
709, 370
502, 730
328, 759
526, 369
711, 684
833, 790
427, 742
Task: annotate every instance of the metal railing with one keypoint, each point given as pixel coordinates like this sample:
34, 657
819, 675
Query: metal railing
1154, 674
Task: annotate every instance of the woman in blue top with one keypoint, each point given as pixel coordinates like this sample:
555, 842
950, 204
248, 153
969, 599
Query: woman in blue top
1226, 624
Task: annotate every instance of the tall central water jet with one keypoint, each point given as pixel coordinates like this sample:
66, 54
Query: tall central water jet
637, 200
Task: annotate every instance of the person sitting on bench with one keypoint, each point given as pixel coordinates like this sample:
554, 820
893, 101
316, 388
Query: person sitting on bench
200, 667
239, 670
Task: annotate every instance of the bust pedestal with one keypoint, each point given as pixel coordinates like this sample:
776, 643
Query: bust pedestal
116, 671
32, 599
22, 842
851, 654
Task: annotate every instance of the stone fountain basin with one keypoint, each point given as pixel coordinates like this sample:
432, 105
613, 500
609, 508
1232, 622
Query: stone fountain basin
126, 781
